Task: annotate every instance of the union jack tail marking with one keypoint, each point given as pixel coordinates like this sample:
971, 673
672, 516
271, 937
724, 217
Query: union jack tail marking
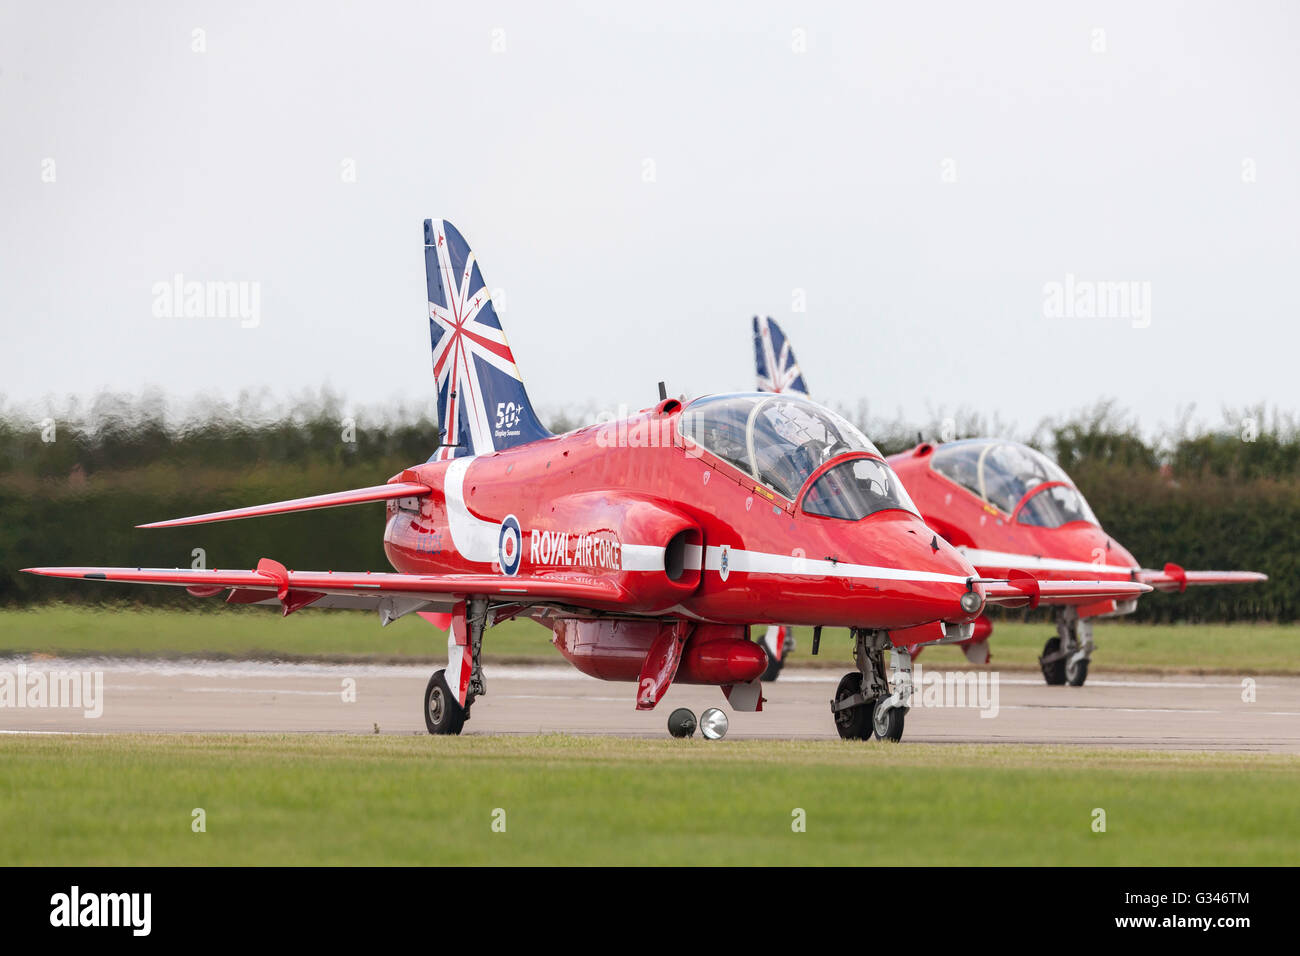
482, 403
777, 369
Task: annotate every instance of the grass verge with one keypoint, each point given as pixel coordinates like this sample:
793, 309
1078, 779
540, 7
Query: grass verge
260, 633
309, 799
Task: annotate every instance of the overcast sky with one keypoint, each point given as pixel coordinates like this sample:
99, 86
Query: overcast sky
640, 183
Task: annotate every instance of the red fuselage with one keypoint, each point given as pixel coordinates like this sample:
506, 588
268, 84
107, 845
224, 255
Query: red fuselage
998, 539
681, 532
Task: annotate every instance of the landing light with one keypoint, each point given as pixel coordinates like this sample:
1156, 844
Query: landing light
713, 724
971, 602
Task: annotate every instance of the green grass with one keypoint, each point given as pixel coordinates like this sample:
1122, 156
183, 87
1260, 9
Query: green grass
251, 632
419, 800
1158, 648
224, 631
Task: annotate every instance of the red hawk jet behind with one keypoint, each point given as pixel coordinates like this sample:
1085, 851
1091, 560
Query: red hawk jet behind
1007, 507
648, 546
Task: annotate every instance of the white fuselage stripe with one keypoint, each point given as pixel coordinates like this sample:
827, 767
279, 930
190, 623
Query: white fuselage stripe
1025, 562
762, 562
476, 540
643, 557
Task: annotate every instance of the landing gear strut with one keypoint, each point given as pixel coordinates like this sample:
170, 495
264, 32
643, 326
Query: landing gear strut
443, 713
864, 704
1066, 656
476, 621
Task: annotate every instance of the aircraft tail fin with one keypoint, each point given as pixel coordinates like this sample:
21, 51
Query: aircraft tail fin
778, 371
482, 403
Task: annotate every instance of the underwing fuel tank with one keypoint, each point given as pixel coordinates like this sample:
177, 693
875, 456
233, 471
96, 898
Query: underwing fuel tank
617, 650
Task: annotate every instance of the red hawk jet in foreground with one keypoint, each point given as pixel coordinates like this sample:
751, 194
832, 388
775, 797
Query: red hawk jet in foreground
648, 546
1007, 507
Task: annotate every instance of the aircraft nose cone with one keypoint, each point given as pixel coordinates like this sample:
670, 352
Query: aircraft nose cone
1095, 546
932, 574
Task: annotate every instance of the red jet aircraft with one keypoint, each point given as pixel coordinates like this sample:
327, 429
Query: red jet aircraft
649, 546
1007, 507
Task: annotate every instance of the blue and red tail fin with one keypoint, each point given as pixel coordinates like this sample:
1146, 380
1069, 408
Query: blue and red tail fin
482, 403
777, 369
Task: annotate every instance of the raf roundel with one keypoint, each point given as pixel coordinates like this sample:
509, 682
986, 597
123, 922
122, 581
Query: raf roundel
509, 545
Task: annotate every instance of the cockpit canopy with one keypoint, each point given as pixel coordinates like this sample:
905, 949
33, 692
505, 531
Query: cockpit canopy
781, 439
1009, 475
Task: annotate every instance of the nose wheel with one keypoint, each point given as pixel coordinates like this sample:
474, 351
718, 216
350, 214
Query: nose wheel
1052, 662
1066, 656
888, 723
864, 706
852, 709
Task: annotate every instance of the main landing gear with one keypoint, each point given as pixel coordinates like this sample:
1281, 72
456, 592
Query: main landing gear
863, 704
1066, 656
775, 633
443, 712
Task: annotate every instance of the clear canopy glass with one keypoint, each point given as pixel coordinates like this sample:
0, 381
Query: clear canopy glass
1056, 505
778, 439
1003, 473
856, 488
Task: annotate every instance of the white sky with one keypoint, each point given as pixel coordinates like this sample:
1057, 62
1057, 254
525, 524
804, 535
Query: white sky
774, 171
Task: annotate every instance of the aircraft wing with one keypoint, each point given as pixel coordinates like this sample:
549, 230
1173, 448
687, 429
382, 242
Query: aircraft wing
391, 594
1022, 589
335, 499
1174, 578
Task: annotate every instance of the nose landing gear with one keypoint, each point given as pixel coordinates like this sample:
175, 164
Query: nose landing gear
864, 704
852, 709
1065, 657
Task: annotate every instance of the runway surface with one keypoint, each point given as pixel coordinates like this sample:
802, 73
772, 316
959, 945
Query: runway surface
1181, 713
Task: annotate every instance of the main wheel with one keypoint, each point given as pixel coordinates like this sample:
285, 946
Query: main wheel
888, 724
1053, 671
775, 664
855, 722
442, 712
773, 668
1076, 672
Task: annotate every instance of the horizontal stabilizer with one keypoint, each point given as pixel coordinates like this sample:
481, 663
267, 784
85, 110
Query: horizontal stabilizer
336, 499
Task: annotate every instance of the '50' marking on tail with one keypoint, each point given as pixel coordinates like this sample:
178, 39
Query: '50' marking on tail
507, 417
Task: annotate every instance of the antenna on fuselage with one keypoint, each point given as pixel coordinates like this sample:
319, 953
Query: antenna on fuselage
663, 391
